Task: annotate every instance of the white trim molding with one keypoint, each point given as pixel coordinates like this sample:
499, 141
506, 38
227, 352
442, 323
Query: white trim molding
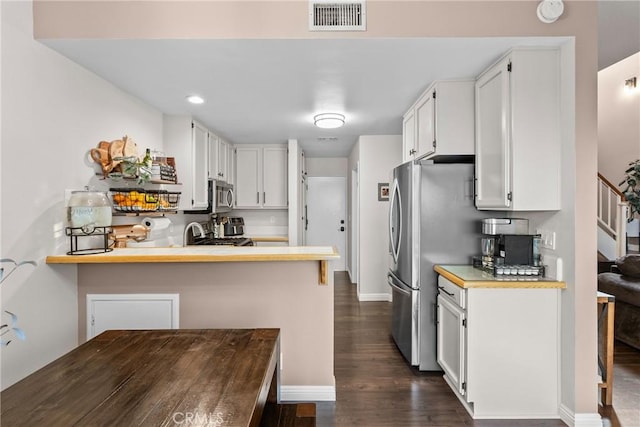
374, 297
579, 420
308, 393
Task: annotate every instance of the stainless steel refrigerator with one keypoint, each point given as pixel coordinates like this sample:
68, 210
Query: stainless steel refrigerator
432, 220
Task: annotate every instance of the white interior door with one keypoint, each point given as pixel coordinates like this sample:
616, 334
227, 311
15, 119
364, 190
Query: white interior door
326, 213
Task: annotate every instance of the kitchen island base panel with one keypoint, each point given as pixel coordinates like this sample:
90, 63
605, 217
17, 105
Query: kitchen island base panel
237, 295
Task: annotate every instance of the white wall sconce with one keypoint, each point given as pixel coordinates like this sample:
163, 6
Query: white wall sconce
328, 120
550, 10
631, 84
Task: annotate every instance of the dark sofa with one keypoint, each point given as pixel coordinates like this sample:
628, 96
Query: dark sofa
624, 283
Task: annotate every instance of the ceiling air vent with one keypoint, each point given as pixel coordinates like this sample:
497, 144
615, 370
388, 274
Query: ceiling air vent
337, 15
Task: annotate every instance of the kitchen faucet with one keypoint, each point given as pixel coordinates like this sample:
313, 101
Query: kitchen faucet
186, 230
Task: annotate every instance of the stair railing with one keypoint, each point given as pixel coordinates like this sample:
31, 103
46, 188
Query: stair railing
613, 211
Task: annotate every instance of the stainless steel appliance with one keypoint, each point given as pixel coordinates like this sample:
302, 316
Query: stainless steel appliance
223, 198
234, 226
211, 239
432, 220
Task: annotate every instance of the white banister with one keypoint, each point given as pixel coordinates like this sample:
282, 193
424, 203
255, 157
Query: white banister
613, 212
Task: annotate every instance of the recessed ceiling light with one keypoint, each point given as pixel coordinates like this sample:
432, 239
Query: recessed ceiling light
195, 99
328, 120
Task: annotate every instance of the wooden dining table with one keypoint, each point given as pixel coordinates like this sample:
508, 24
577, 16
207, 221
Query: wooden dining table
207, 377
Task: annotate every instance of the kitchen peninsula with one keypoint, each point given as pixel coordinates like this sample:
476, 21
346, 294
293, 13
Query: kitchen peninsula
285, 287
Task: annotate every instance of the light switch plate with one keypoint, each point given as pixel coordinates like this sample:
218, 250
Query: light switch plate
547, 239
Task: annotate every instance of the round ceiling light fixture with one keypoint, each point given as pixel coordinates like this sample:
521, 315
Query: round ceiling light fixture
328, 120
195, 99
550, 10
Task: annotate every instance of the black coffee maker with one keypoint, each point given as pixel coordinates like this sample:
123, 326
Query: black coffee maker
507, 248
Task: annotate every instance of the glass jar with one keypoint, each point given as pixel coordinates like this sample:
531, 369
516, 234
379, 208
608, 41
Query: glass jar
89, 209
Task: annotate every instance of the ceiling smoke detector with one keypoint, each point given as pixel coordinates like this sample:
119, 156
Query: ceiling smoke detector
550, 10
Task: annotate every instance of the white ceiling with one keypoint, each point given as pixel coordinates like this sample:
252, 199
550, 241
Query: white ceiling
618, 30
267, 91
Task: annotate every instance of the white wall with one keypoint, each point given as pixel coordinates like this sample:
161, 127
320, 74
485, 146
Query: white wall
327, 166
53, 112
618, 118
377, 155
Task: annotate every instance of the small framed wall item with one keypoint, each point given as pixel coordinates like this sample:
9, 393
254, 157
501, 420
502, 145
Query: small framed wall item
383, 191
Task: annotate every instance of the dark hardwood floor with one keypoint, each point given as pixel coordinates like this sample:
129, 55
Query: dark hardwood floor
625, 411
376, 387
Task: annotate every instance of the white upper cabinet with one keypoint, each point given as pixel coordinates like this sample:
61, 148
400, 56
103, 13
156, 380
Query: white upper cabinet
408, 135
275, 172
261, 176
223, 160
518, 132
440, 122
248, 181
220, 159
187, 141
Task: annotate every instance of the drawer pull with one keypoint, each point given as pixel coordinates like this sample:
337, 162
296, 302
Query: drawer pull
445, 291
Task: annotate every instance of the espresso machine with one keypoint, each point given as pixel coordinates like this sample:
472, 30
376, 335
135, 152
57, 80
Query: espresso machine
508, 249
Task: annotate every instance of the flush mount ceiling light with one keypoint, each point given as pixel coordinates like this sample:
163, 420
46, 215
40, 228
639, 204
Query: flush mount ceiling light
550, 10
195, 99
631, 83
328, 120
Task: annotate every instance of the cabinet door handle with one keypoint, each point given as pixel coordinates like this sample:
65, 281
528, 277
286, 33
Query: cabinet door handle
257, 197
264, 198
445, 291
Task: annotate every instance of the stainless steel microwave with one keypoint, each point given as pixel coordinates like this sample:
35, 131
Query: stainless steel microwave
222, 198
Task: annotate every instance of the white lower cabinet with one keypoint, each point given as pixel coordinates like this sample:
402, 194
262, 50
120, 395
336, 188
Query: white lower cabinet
131, 311
499, 349
451, 343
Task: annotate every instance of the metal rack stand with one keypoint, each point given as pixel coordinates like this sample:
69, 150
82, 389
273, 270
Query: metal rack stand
88, 231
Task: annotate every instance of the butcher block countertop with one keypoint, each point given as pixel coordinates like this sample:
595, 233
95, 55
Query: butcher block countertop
467, 276
283, 239
220, 377
202, 254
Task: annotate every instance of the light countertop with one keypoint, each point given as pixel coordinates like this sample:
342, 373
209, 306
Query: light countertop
202, 254
269, 238
467, 276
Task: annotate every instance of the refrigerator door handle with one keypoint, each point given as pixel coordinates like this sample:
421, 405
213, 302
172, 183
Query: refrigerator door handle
398, 288
395, 198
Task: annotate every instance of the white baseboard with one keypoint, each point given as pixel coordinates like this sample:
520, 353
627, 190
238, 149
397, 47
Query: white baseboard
374, 297
579, 420
307, 393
